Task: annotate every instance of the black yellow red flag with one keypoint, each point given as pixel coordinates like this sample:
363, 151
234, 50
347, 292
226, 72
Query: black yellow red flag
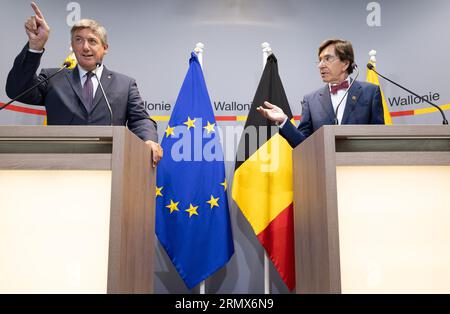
262, 184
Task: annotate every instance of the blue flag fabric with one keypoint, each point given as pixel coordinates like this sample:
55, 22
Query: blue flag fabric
192, 217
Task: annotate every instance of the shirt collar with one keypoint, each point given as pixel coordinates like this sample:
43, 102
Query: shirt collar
83, 71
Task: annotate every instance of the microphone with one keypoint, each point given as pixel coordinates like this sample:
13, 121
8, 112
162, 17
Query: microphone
444, 119
65, 65
98, 64
336, 121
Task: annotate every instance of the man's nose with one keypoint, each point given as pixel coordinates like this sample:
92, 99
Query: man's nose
86, 45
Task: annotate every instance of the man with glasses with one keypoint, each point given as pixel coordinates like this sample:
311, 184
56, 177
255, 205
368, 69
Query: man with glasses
340, 101
73, 97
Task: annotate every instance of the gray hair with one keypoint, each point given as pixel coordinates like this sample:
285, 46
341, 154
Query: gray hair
94, 26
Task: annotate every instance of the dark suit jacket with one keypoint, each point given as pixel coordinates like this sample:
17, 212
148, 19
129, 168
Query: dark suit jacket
62, 97
363, 106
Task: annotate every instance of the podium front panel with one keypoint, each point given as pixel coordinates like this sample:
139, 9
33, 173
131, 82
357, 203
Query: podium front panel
54, 231
394, 229
77, 211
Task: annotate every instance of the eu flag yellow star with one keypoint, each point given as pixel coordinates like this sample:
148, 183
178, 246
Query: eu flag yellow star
225, 185
158, 191
169, 131
190, 123
213, 202
173, 206
210, 127
192, 210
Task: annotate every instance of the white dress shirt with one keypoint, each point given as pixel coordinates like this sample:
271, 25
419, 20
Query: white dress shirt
83, 77
336, 98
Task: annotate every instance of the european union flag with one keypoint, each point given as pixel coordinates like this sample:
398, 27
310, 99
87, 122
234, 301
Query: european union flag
192, 217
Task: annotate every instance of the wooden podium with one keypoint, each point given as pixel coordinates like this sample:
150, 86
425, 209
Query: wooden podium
77, 210
372, 210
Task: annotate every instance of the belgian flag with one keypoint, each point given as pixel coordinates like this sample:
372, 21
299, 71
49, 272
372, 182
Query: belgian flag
262, 184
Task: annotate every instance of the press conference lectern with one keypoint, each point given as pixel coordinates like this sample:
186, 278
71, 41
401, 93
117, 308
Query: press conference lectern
76, 210
372, 210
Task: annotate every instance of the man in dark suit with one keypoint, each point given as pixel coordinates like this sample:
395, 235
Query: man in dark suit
331, 104
74, 97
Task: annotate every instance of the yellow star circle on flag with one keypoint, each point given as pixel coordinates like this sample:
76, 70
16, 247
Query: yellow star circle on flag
213, 202
158, 191
173, 206
190, 123
192, 210
224, 183
169, 131
210, 127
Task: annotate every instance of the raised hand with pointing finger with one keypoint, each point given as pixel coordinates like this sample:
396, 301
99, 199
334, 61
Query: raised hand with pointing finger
37, 29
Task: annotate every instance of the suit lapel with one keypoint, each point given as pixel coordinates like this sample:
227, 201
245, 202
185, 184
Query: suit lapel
352, 100
106, 80
325, 101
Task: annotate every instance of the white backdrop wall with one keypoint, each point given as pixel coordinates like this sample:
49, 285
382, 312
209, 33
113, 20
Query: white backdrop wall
152, 40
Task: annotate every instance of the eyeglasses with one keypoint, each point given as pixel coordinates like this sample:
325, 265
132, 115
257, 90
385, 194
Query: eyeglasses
327, 59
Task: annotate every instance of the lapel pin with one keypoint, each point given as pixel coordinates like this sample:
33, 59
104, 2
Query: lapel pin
354, 98
109, 76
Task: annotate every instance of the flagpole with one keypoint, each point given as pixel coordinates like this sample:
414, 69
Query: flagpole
199, 52
267, 51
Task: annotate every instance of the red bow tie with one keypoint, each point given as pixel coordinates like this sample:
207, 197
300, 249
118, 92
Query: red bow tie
335, 88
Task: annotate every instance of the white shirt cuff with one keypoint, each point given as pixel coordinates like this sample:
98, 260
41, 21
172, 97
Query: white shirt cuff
35, 51
280, 125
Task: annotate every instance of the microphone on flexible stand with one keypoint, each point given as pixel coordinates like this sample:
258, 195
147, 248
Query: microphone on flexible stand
336, 121
98, 64
65, 65
444, 119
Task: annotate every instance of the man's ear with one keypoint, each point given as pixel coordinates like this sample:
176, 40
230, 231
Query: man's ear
347, 65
